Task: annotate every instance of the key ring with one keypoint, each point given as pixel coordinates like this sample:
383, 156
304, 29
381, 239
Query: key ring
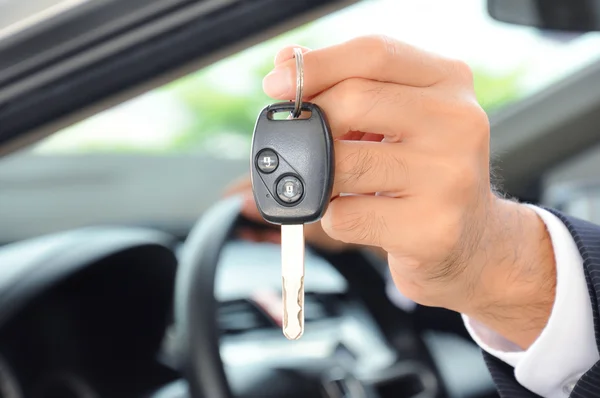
299, 82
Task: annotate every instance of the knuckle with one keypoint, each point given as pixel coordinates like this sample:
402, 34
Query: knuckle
479, 125
471, 121
381, 49
352, 99
461, 111
346, 98
386, 45
460, 70
382, 44
468, 110
463, 70
348, 94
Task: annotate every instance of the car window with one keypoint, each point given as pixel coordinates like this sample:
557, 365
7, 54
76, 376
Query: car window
215, 108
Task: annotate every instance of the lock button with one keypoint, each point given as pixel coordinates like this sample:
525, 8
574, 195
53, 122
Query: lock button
290, 189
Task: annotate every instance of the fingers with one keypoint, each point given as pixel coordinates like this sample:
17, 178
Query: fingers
397, 225
361, 105
364, 167
362, 220
373, 57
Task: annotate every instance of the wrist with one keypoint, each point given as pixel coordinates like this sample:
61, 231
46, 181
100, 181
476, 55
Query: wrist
516, 289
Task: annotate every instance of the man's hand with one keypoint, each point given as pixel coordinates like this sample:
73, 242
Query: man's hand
412, 144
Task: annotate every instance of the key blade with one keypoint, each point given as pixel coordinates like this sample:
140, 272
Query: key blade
292, 274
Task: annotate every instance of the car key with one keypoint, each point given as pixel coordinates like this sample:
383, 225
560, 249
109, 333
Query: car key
292, 177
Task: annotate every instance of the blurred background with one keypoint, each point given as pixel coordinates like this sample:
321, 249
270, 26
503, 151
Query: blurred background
163, 158
208, 116
215, 108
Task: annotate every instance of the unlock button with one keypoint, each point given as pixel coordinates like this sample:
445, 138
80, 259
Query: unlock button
290, 189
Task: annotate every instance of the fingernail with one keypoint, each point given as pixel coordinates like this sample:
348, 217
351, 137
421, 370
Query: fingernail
278, 83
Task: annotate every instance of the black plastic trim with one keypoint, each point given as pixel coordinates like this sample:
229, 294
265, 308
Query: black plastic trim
21, 112
76, 29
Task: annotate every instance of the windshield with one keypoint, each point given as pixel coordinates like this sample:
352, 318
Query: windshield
215, 108
151, 160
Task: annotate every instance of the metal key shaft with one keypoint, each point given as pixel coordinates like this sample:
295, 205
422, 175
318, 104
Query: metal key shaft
292, 274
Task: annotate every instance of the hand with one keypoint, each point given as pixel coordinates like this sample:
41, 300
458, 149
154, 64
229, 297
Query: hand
413, 143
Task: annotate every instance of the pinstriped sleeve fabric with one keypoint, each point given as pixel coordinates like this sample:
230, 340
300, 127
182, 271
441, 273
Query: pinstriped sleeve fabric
553, 364
586, 237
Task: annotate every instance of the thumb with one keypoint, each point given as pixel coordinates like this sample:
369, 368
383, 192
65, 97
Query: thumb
287, 53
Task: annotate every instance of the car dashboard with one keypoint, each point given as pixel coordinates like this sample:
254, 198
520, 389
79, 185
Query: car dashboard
88, 313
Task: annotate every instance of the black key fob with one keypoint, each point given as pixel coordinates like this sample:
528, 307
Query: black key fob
293, 164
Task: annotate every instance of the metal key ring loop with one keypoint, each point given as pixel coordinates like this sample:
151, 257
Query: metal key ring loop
299, 82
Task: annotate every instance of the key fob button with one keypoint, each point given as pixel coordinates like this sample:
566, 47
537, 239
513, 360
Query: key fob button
267, 161
290, 189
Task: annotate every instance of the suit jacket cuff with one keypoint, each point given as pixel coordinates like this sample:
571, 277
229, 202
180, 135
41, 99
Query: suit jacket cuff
566, 348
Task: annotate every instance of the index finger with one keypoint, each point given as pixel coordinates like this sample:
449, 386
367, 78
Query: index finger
371, 57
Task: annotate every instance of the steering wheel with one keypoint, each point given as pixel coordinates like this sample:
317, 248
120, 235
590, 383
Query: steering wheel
196, 324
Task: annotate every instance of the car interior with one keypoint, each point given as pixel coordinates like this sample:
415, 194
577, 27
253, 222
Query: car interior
122, 124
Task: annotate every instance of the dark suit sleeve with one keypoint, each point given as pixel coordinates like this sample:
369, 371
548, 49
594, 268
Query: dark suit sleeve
587, 238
